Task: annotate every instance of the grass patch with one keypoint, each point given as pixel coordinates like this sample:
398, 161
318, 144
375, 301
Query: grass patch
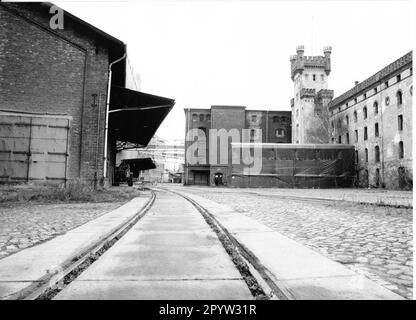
75, 191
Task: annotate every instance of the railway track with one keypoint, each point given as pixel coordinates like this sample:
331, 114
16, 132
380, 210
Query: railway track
51, 285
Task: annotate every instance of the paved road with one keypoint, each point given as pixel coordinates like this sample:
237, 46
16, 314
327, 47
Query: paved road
171, 253
372, 240
25, 225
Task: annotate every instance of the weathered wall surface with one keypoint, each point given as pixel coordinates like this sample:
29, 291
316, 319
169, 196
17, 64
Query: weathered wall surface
55, 72
348, 122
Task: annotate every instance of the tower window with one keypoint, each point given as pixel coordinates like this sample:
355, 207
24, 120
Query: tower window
399, 77
375, 90
347, 119
356, 135
365, 112
386, 84
365, 96
401, 150
400, 122
201, 117
314, 77
375, 107
208, 117
332, 125
399, 97
376, 132
366, 154
339, 139
355, 116
348, 138
377, 153
365, 133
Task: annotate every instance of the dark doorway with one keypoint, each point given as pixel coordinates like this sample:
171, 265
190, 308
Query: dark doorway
218, 179
402, 178
201, 177
365, 178
377, 178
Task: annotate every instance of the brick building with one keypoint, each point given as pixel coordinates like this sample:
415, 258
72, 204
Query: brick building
274, 126
53, 98
376, 117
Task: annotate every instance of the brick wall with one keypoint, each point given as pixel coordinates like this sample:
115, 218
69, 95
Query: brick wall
56, 72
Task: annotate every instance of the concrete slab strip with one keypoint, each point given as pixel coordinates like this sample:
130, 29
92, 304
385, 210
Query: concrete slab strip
296, 269
25, 267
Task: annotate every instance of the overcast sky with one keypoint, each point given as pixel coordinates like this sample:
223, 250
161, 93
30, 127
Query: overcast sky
203, 53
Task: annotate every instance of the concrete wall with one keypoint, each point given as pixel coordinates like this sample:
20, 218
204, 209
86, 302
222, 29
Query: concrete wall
56, 72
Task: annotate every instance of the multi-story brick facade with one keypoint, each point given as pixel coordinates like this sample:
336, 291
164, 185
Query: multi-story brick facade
274, 126
376, 117
309, 105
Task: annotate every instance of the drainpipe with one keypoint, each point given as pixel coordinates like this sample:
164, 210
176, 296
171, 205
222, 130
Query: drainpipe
107, 112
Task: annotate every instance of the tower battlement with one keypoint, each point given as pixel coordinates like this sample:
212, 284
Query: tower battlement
299, 62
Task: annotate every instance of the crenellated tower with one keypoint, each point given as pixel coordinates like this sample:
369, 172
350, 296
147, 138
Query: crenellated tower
310, 118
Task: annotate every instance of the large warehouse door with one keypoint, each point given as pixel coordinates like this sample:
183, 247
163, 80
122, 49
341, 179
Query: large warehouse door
201, 177
33, 148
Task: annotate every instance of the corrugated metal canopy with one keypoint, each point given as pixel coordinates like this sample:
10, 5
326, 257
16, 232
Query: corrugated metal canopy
135, 116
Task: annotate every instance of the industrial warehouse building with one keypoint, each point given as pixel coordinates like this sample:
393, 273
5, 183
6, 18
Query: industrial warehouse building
53, 106
361, 138
376, 117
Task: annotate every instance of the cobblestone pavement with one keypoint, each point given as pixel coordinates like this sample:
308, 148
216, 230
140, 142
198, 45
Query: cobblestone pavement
372, 240
24, 225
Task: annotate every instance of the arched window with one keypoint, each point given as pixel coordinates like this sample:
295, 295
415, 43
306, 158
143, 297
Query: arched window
194, 117
399, 97
355, 116
347, 119
375, 107
366, 154
401, 150
377, 153
254, 118
276, 118
208, 117
314, 77
201, 117
365, 112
